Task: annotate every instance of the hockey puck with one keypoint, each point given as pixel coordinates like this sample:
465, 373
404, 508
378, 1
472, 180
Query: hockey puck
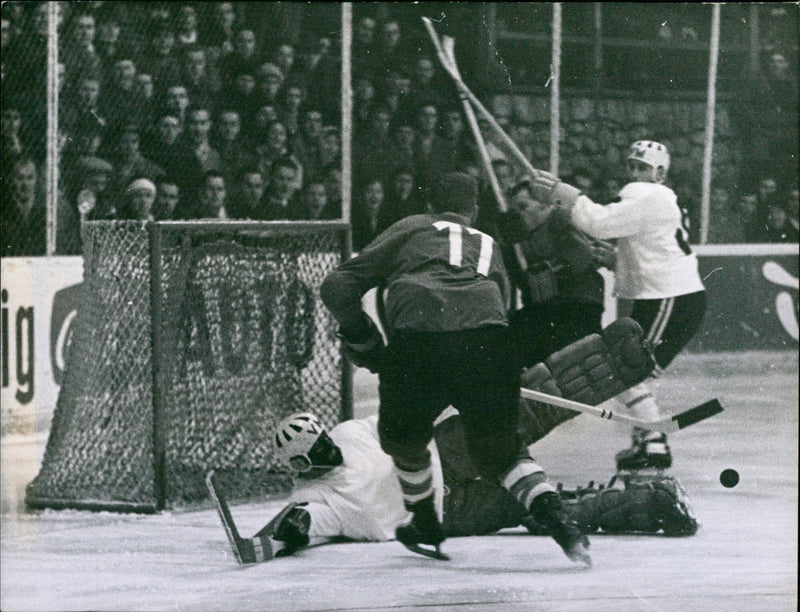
729, 478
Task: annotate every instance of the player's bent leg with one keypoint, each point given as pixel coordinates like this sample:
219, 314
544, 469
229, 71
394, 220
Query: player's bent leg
528, 483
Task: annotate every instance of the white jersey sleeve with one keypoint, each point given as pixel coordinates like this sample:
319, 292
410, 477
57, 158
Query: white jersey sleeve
654, 259
361, 499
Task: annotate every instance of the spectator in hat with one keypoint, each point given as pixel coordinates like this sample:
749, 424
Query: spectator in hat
139, 196
96, 177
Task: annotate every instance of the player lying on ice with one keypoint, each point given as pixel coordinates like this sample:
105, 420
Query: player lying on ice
346, 485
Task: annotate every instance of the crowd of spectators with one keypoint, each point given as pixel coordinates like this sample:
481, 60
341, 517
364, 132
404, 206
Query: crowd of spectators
231, 110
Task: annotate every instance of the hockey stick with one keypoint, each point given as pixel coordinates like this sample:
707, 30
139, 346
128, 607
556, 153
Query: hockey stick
446, 53
260, 547
465, 91
665, 425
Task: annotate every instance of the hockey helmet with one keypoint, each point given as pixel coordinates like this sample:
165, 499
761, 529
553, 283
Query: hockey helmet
294, 438
651, 153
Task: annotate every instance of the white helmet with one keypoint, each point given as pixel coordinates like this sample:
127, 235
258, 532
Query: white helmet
652, 153
294, 438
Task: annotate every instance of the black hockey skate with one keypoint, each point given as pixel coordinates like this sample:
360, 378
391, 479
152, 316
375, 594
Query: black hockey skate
424, 533
649, 451
547, 510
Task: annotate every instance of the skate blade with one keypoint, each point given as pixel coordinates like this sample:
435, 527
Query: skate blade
580, 556
432, 553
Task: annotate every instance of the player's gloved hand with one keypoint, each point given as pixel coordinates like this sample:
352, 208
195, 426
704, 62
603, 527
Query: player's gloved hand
631, 354
364, 346
293, 531
604, 254
549, 189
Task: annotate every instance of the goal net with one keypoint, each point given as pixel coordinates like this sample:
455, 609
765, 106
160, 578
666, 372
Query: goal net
192, 341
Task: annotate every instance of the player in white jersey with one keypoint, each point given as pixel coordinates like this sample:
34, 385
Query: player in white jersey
346, 487
656, 269
345, 480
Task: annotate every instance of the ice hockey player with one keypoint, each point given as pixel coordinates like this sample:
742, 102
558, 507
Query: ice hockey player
655, 268
447, 300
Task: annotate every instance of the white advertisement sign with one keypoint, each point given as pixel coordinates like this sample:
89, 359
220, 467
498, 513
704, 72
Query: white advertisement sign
39, 303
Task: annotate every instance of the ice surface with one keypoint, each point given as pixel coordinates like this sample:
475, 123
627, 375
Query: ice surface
743, 558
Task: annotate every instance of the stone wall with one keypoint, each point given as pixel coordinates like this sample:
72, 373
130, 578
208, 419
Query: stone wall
596, 134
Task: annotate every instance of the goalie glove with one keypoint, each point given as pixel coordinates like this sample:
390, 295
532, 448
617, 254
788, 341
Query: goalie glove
364, 347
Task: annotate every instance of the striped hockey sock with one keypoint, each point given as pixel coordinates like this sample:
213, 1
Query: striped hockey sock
416, 479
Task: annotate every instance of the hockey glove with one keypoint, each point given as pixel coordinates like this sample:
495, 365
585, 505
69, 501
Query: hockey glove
604, 255
364, 347
293, 531
631, 355
547, 188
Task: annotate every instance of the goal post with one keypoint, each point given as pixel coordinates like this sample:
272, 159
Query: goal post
192, 341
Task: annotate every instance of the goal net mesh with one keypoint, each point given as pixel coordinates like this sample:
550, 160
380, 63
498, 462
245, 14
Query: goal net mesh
243, 342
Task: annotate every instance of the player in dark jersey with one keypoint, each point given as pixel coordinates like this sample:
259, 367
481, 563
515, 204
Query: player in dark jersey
447, 300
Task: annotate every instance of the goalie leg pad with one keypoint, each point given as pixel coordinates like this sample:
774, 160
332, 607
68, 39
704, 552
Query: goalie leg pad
595, 368
591, 370
644, 505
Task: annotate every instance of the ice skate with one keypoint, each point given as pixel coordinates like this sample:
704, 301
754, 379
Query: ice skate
424, 533
649, 450
547, 510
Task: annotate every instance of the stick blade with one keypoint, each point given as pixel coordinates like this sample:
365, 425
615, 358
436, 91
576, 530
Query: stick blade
697, 414
246, 550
